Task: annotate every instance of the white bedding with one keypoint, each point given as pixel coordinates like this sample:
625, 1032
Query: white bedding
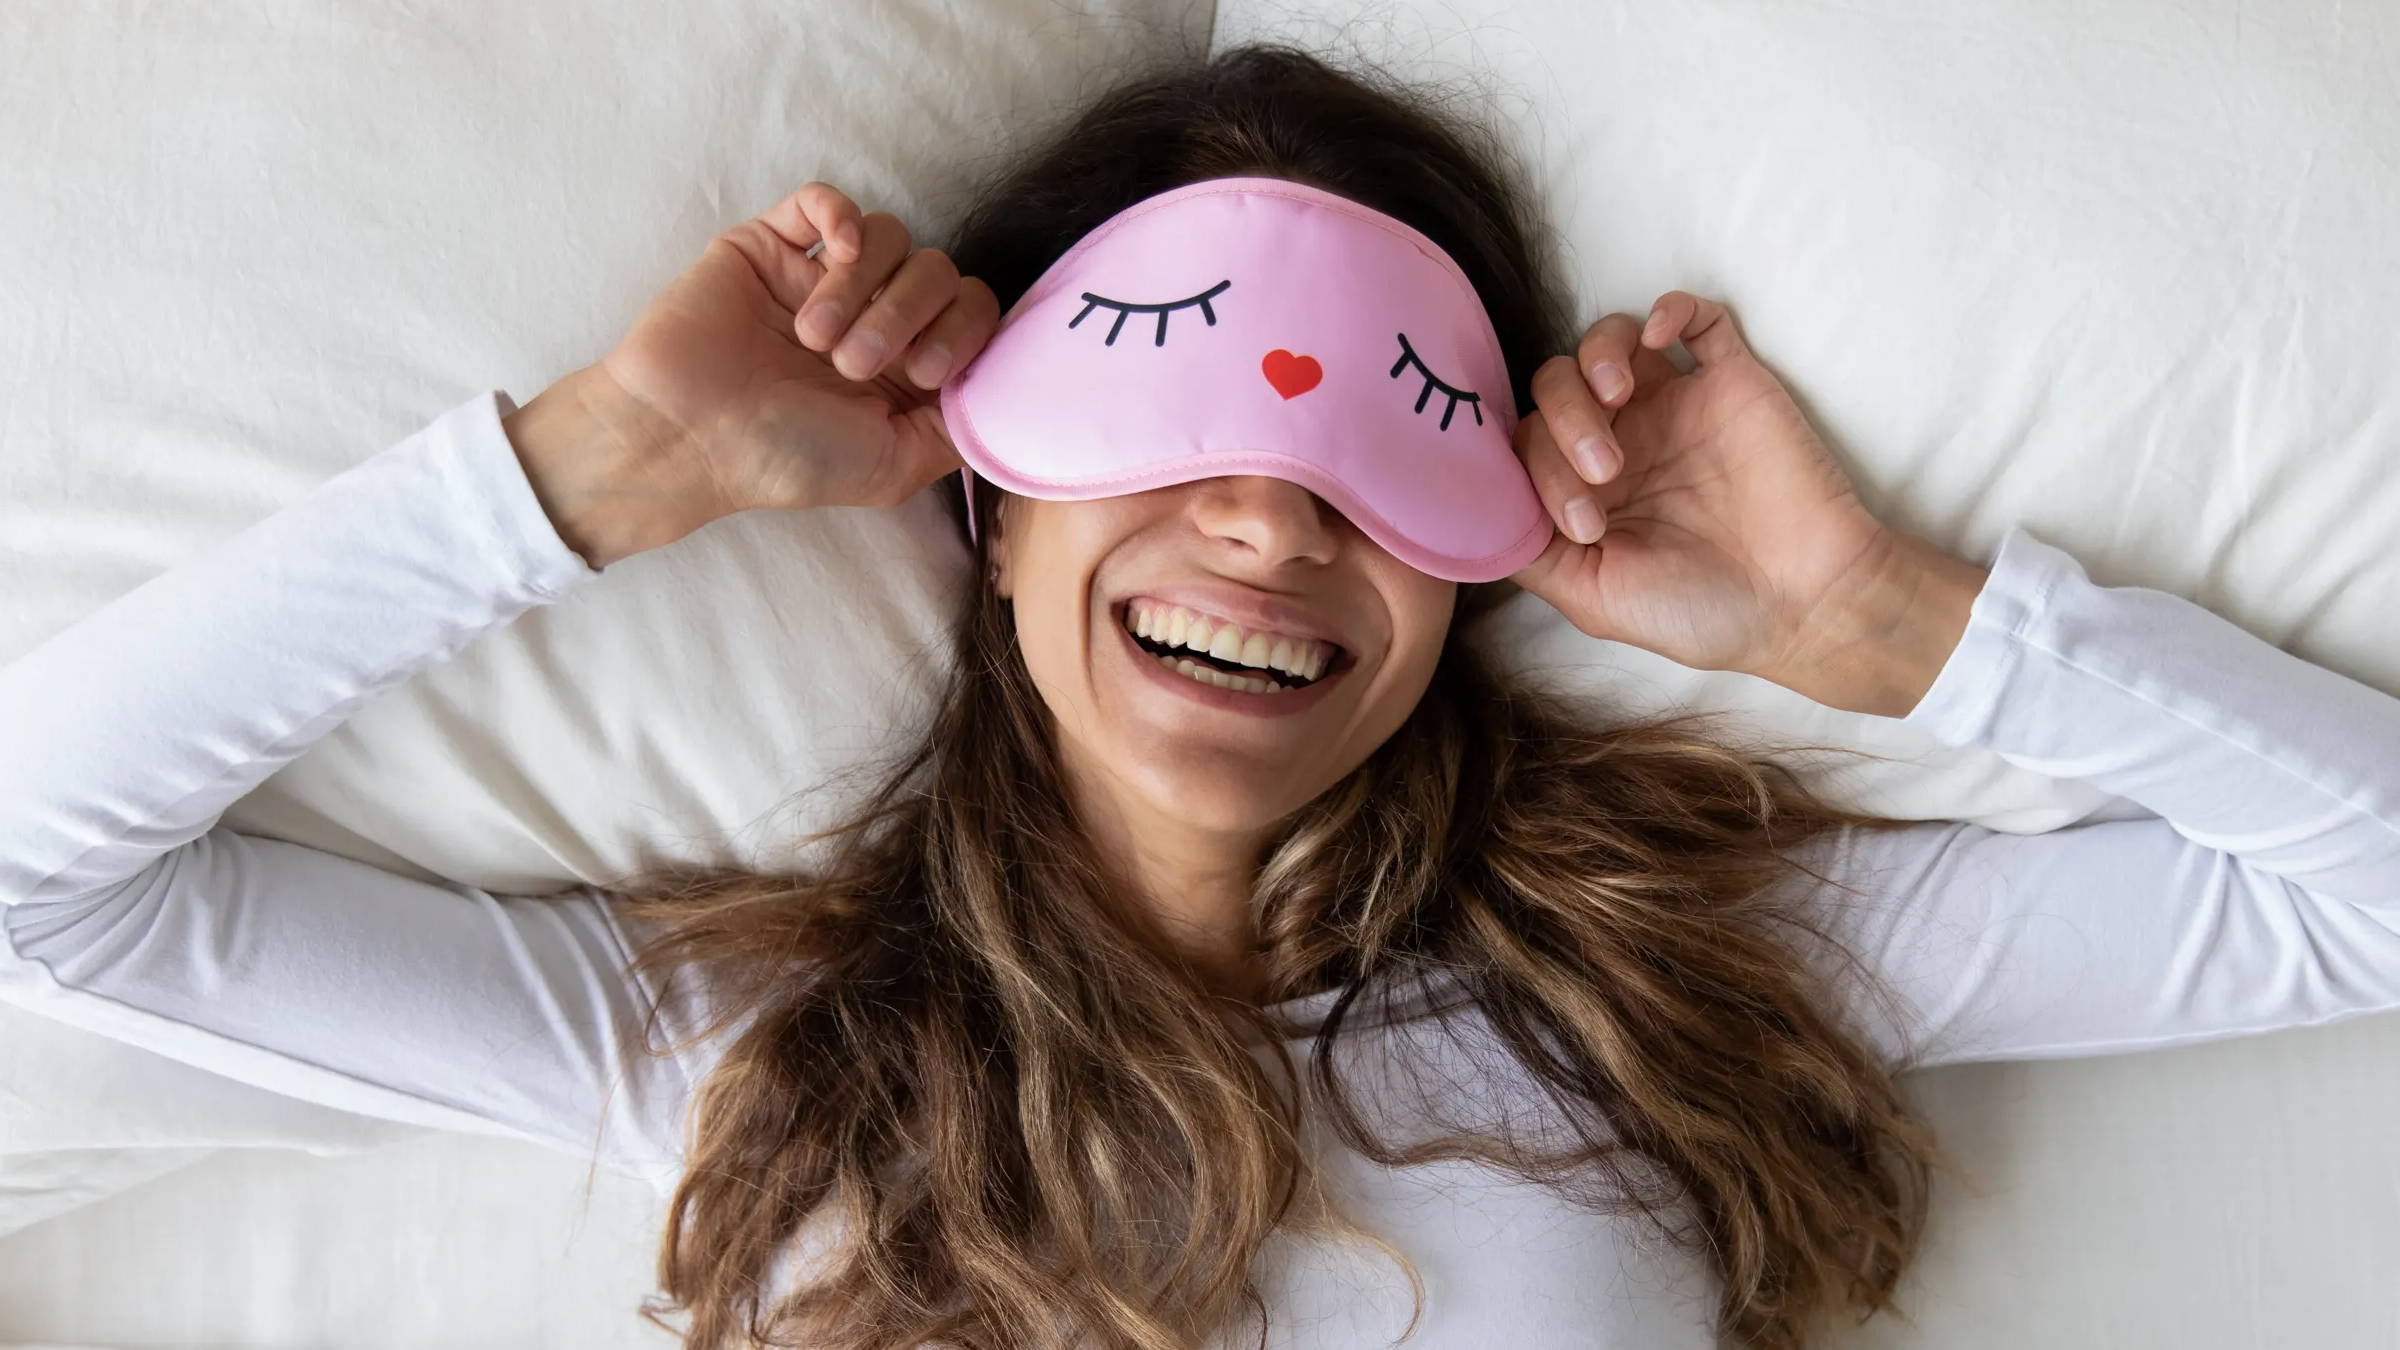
2117, 272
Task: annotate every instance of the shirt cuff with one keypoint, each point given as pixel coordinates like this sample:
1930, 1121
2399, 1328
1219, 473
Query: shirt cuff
2025, 573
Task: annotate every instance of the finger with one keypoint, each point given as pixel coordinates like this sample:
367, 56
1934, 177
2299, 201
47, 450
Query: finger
777, 240
1651, 368
1569, 502
1606, 356
954, 336
846, 287
1576, 421
919, 454
786, 274
819, 213
1553, 575
908, 302
1705, 327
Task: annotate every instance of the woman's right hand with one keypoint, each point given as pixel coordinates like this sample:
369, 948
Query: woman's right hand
789, 381
1734, 540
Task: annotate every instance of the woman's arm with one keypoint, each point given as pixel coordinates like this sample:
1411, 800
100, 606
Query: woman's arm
124, 738
2265, 895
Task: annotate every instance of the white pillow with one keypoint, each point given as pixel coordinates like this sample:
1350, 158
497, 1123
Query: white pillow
246, 247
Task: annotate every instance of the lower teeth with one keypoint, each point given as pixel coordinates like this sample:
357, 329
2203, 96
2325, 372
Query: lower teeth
1207, 675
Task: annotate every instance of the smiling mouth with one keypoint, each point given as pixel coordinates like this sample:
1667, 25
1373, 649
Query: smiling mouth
1263, 664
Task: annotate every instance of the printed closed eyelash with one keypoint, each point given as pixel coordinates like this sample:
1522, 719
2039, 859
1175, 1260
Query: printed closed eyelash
1433, 382
1093, 301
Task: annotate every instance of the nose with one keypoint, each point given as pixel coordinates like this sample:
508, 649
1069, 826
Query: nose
1278, 520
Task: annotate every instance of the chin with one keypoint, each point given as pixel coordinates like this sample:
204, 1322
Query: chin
1226, 803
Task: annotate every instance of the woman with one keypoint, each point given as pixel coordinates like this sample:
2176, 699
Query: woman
1015, 1065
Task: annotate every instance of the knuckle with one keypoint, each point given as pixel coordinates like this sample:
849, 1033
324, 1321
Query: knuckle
1606, 337
949, 325
1529, 454
1537, 460
1550, 471
1545, 485
1528, 445
935, 266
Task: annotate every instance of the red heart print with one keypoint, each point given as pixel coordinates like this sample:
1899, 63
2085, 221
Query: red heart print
1291, 375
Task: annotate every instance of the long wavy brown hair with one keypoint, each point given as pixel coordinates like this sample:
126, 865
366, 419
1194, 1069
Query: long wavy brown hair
953, 1038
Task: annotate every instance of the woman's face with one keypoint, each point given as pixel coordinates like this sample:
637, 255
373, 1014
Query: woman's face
1268, 555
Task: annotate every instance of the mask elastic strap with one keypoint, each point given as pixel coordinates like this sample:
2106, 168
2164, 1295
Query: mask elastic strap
967, 476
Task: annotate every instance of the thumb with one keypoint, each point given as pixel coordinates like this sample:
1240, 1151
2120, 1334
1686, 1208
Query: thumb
1566, 575
921, 454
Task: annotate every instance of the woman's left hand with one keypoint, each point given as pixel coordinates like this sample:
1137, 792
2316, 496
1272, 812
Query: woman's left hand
1732, 539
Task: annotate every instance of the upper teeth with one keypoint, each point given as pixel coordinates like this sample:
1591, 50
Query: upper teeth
1226, 640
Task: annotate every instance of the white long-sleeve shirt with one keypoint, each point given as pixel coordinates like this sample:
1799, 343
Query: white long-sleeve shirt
2265, 894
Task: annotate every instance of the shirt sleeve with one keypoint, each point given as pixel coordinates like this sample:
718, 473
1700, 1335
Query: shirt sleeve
124, 738
2261, 891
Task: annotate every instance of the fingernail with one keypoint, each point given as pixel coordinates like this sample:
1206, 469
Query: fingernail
865, 348
1608, 380
1594, 458
1583, 520
820, 324
933, 362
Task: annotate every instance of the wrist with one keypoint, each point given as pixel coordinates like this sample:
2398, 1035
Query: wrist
605, 471
1879, 647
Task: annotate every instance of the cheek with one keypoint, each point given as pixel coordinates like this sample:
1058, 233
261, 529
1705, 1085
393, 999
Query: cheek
1056, 639
1050, 636
1409, 673
1417, 626
1421, 609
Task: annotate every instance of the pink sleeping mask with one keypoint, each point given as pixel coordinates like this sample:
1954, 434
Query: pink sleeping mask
1260, 326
